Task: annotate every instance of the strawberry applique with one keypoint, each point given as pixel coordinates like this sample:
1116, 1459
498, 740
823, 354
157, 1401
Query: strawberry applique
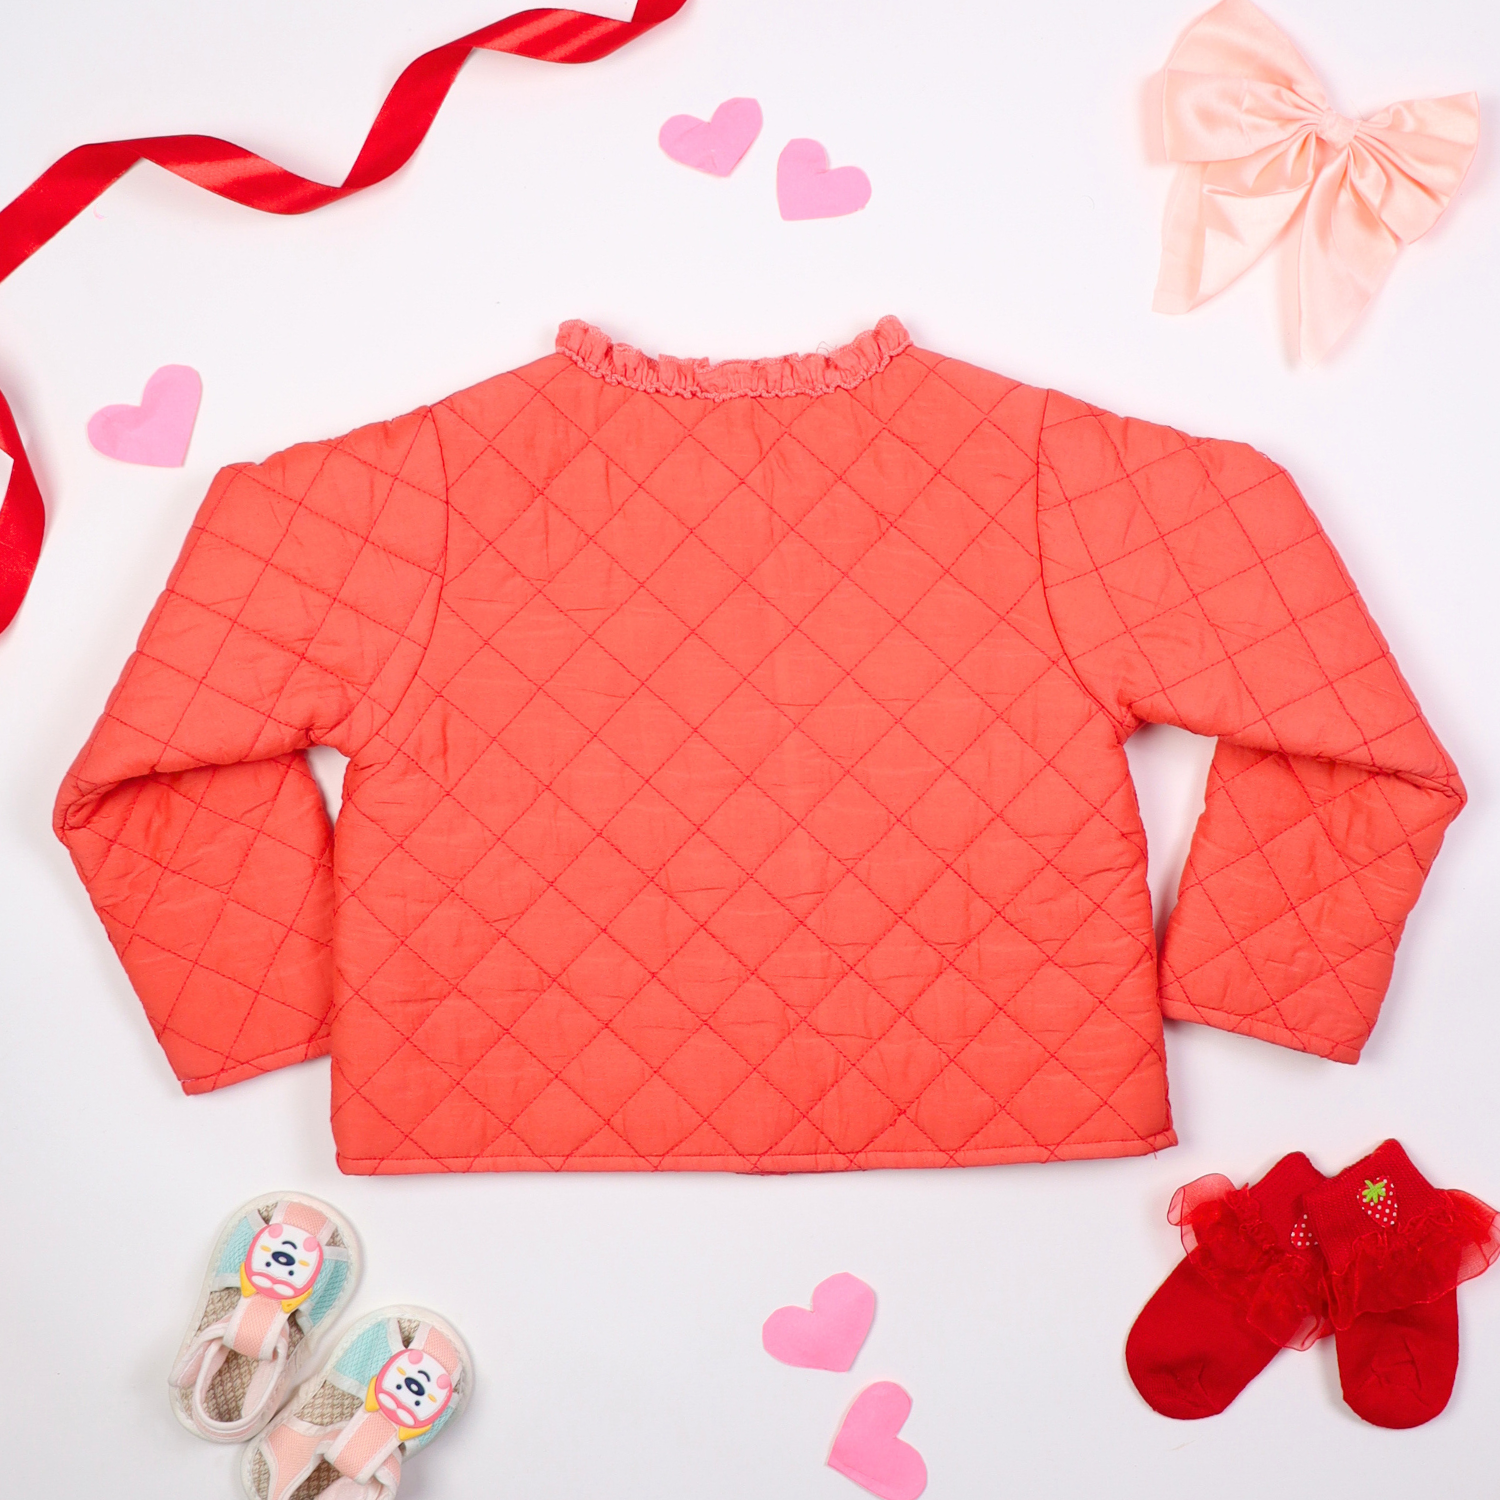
1302, 1236
1378, 1199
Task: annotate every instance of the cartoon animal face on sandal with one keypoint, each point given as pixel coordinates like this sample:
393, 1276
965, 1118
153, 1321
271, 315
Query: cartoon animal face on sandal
413, 1389
283, 1261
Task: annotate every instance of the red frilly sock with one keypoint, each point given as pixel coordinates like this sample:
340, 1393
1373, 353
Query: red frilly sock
1396, 1248
1250, 1286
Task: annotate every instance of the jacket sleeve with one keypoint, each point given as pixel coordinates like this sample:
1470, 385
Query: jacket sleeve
296, 615
1190, 585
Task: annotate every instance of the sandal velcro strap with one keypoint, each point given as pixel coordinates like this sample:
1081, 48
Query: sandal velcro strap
394, 1382
281, 1268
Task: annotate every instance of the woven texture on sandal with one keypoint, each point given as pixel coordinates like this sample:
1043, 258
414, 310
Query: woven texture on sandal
737, 781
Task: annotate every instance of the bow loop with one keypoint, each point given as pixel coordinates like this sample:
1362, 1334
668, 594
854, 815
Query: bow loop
1257, 140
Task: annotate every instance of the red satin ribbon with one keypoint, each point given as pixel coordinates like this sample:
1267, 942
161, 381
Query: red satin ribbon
72, 182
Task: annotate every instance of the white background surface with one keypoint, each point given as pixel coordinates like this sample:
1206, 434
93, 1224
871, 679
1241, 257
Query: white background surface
1014, 222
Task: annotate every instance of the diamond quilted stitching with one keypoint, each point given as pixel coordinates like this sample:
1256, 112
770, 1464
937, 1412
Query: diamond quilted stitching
845, 726
694, 680
889, 474
745, 633
849, 821
542, 540
601, 883
591, 587
752, 923
952, 1113
943, 520
640, 533
645, 733
544, 737
898, 769
538, 449
949, 914
755, 1118
790, 480
797, 576
835, 443
951, 621
607, 1072
604, 978
693, 480
797, 774
539, 638
949, 817
951, 1010
895, 572
754, 1021
705, 1071
753, 797
658, 1119
854, 1016
802, 970
657, 1023
548, 835
902, 966
588, 490
841, 527
597, 781
591, 685
700, 877
802, 1056
742, 530
697, 779
846, 623
553, 932
851, 919
558, 1122
797, 676
642, 434
641, 634
495, 787
555, 1028
702, 973
742, 433
949, 718
800, 870
648, 828
651, 929
474, 599
899, 669
693, 581
746, 727
904, 1065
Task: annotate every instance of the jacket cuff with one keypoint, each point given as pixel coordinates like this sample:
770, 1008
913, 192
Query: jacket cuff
1340, 1050
239, 1071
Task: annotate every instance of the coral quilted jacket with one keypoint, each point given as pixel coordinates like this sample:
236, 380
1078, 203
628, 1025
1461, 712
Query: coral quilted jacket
736, 772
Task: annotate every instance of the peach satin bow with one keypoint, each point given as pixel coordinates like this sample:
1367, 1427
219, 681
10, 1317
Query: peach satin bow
1252, 128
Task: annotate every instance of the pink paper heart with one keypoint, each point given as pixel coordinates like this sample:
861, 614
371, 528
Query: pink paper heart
157, 431
828, 1337
868, 1451
806, 188
715, 145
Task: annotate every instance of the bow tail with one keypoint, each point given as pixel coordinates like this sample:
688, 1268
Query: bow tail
1221, 217
1346, 253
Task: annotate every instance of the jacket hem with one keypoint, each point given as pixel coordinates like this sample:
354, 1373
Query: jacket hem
770, 1164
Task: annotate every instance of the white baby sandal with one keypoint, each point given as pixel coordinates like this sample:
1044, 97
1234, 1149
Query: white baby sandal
397, 1378
283, 1267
